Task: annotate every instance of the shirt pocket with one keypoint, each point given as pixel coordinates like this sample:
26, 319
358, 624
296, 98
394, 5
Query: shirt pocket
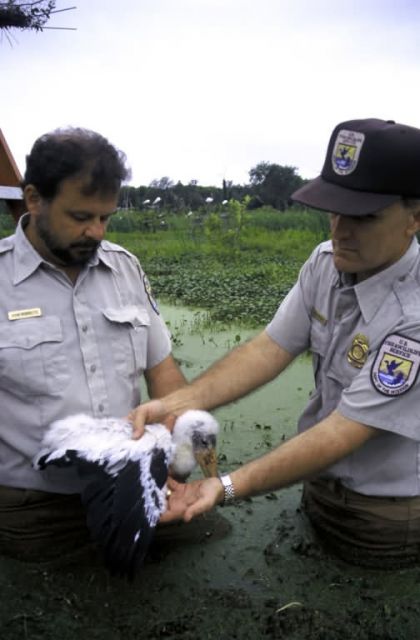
129, 328
32, 356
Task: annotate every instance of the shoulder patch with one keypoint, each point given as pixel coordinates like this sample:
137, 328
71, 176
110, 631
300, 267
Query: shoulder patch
148, 290
396, 366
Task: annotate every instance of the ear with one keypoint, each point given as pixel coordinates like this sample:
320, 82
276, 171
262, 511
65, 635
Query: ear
414, 226
32, 199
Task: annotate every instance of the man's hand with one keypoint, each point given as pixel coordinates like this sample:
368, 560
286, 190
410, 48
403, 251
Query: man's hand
188, 500
149, 413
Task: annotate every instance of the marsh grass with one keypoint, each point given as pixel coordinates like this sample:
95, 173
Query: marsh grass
236, 264
238, 269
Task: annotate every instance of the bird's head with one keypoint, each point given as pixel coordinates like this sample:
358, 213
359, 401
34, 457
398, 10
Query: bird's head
194, 436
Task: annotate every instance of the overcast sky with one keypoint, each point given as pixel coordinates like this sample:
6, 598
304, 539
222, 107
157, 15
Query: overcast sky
205, 89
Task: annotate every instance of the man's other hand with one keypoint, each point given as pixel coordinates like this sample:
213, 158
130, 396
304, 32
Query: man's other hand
187, 500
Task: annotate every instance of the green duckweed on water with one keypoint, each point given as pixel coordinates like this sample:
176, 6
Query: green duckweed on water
267, 578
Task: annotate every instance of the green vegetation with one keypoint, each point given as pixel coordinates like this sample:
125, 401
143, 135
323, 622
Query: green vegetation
236, 264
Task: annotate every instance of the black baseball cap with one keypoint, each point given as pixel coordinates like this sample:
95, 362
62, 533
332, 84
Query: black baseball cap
370, 164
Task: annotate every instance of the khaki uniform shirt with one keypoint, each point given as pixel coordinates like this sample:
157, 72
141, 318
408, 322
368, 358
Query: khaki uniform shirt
67, 349
365, 341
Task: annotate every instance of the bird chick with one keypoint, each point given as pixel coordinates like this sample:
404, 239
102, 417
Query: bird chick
194, 437
125, 492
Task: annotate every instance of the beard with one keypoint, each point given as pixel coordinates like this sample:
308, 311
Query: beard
75, 254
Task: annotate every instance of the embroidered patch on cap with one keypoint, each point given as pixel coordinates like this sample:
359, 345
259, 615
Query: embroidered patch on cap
148, 290
346, 151
396, 366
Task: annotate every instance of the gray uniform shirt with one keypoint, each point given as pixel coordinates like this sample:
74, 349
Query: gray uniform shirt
326, 313
67, 349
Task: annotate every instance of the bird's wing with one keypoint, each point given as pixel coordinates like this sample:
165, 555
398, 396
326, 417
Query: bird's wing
122, 509
124, 493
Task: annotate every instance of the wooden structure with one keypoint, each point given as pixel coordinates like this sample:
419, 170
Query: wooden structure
10, 180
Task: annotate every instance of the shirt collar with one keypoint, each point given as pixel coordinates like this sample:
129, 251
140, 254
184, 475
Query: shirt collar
372, 292
27, 258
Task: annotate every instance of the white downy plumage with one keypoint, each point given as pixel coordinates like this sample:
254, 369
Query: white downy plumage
125, 492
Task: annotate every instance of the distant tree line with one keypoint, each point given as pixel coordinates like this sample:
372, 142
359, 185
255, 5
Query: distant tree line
269, 184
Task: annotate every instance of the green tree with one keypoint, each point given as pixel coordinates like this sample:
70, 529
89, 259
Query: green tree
163, 183
275, 183
258, 174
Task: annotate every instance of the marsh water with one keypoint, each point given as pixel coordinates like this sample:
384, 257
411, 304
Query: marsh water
268, 577
267, 415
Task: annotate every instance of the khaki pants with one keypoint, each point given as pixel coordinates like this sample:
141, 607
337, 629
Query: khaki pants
37, 526
376, 532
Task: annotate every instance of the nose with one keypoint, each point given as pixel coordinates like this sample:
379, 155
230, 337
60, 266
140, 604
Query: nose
96, 229
340, 224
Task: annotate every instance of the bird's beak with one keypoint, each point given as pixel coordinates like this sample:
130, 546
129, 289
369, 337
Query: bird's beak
207, 459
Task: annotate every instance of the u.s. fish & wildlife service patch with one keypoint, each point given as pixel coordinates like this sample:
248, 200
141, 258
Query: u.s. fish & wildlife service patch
148, 290
347, 147
396, 366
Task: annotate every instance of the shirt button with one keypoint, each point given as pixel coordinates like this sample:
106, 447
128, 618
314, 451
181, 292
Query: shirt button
93, 368
100, 407
84, 328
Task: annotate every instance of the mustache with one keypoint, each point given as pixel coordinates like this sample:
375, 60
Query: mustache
86, 244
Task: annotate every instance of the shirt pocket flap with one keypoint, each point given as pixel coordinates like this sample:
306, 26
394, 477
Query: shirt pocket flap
27, 334
134, 315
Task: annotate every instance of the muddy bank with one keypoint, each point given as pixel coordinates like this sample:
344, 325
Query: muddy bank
267, 578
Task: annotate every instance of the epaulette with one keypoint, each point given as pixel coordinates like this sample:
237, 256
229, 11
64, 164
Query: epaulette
325, 247
108, 246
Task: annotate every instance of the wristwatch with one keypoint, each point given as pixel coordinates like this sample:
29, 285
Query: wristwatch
229, 490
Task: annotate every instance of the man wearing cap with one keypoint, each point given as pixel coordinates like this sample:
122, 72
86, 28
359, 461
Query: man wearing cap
356, 306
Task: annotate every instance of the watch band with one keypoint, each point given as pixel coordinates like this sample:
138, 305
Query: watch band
229, 490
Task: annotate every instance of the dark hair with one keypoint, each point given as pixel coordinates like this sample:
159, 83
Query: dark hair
66, 153
411, 203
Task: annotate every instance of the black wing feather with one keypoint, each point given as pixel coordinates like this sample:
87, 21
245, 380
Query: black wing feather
159, 467
132, 530
116, 510
128, 534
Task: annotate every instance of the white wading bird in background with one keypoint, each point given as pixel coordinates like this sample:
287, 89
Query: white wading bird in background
125, 493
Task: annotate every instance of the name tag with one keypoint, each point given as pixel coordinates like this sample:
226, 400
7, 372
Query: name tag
24, 313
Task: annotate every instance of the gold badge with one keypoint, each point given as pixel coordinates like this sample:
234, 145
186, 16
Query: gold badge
359, 351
